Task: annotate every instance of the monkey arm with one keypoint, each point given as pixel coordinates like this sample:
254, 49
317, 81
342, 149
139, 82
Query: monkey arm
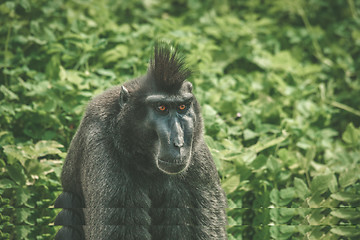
71, 217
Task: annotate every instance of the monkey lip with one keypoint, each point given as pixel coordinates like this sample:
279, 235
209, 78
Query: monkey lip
177, 163
171, 167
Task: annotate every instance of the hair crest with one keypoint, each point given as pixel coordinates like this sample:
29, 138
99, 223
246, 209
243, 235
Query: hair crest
168, 67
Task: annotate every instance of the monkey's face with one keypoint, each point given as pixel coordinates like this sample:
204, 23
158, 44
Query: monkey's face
172, 118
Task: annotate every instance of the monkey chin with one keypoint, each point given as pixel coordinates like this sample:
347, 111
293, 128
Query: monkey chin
172, 168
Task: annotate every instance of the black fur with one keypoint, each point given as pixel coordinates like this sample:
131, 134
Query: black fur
113, 189
168, 67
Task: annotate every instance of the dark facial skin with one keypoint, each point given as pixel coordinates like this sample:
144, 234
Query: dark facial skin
172, 118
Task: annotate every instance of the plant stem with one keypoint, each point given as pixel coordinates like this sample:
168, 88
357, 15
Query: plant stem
345, 107
310, 31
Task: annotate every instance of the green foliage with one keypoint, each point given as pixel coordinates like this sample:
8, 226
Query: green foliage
278, 82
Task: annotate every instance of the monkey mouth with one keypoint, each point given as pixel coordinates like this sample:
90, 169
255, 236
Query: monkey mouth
171, 167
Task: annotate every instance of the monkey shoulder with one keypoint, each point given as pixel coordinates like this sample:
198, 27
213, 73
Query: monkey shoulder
105, 105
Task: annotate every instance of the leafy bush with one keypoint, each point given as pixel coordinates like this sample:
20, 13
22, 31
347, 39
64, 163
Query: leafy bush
278, 82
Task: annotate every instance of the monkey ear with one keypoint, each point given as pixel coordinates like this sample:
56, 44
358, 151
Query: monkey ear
124, 95
189, 86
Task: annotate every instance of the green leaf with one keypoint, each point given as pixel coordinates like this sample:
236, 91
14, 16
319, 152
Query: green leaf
273, 164
50, 105
2, 163
351, 135
8, 94
275, 197
316, 216
6, 138
115, 54
317, 200
282, 215
231, 184
6, 183
346, 197
309, 157
287, 193
349, 176
259, 162
321, 183
301, 189
14, 154
25, 4
22, 196
22, 214
346, 231
282, 231
346, 213
283, 197
16, 172
249, 134
22, 231
248, 156
260, 146
106, 73
43, 148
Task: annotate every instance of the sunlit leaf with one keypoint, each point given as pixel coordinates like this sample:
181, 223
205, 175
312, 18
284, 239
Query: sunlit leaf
44, 148
349, 176
346, 197
301, 188
322, 183
346, 213
351, 134
346, 231
231, 184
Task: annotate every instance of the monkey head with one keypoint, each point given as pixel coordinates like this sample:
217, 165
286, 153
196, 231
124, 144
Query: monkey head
167, 119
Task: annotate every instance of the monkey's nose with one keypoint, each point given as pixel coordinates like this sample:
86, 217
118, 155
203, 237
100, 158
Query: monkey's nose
178, 144
178, 141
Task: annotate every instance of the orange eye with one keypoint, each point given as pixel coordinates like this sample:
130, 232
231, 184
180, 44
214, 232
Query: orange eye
182, 107
162, 108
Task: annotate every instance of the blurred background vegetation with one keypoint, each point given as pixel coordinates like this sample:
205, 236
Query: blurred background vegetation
278, 81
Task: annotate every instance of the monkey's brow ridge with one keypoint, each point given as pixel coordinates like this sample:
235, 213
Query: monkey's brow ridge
187, 97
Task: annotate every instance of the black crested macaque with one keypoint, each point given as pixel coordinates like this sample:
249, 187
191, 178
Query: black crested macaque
138, 166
